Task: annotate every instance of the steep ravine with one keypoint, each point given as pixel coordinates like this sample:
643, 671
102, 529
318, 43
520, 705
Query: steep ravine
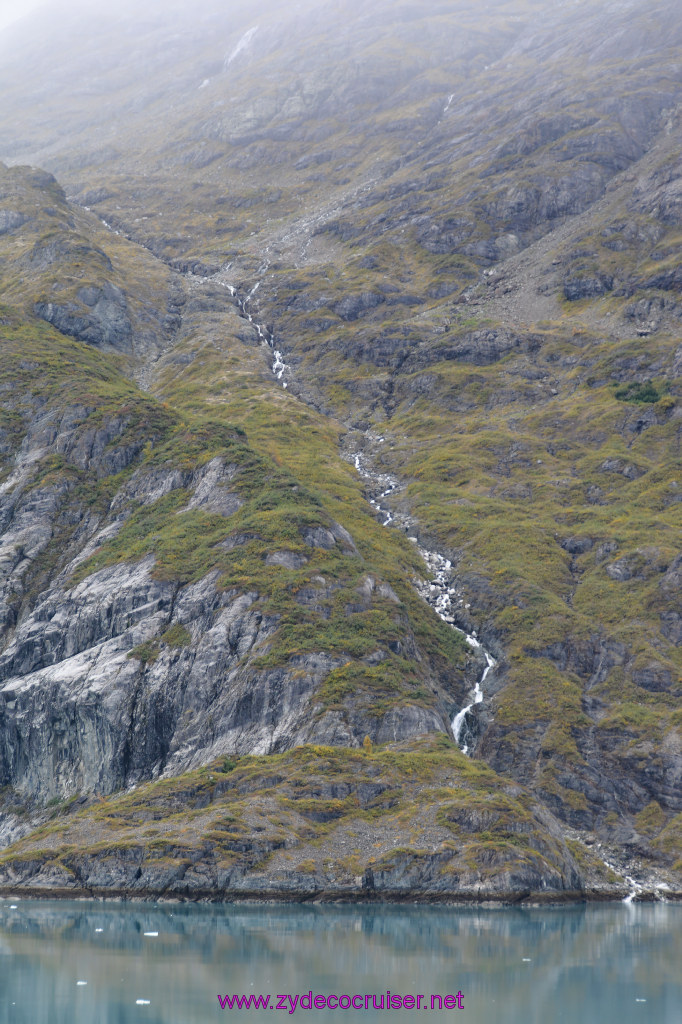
441, 592
280, 369
196, 276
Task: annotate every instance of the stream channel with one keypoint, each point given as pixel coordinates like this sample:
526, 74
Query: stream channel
441, 591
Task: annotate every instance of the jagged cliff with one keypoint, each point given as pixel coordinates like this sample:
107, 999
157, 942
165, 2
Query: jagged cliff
414, 259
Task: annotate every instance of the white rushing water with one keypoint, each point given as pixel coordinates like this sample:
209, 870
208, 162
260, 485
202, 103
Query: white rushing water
101, 219
241, 45
440, 592
635, 887
280, 368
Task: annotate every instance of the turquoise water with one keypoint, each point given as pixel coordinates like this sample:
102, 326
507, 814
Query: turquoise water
608, 965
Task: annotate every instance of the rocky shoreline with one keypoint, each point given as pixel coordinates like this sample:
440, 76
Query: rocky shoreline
472, 897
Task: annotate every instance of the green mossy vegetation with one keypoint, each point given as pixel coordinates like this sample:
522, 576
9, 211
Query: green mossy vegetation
645, 392
239, 809
177, 636
146, 652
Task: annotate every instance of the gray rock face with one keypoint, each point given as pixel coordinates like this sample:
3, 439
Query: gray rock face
577, 545
80, 711
318, 537
93, 699
625, 469
123, 676
191, 874
102, 319
653, 677
287, 559
67, 685
10, 220
671, 627
30, 509
77, 712
482, 347
672, 580
622, 570
353, 306
587, 287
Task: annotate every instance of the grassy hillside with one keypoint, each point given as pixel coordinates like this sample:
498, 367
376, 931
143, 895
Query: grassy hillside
463, 237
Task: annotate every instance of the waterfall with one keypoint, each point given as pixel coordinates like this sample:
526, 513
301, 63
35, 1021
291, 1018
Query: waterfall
279, 367
439, 593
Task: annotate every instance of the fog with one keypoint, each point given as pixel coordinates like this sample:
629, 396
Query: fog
13, 10
79, 78
40, 13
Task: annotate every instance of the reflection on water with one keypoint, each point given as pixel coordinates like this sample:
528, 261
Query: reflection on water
94, 963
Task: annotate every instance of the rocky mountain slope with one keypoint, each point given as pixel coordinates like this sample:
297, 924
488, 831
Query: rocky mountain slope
278, 262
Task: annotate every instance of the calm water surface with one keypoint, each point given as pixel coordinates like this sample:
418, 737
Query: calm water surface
90, 963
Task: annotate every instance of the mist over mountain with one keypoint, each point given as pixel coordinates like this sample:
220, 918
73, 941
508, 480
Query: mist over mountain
340, 437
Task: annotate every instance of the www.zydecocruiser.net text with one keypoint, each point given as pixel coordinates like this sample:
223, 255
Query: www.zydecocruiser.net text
308, 1001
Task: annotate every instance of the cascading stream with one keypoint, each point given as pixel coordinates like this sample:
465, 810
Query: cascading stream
267, 338
440, 592
279, 367
442, 589
635, 887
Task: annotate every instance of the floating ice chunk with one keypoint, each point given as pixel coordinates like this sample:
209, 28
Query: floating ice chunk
151, 933
142, 1002
81, 982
